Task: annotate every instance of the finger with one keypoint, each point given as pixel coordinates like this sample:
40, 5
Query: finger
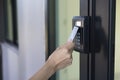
71, 56
64, 64
69, 45
69, 62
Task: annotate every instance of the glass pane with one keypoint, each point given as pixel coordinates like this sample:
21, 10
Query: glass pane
9, 33
65, 10
117, 42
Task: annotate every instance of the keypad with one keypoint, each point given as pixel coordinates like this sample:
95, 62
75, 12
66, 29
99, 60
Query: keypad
82, 37
77, 41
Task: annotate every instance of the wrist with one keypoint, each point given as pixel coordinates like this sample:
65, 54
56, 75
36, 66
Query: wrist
51, 65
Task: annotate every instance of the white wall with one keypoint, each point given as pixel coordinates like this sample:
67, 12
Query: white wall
10, 62
22, 63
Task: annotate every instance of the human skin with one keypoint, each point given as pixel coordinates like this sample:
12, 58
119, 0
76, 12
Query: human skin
60, 58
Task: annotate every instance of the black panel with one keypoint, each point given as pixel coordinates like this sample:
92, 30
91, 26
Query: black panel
104, 35
102, 14
101, 57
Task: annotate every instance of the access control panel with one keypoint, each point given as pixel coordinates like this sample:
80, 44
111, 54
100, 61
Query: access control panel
82, 36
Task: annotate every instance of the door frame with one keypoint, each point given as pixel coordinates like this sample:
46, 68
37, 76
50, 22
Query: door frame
50, 29
89, 69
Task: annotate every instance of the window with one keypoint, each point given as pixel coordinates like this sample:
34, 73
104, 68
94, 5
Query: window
10, 21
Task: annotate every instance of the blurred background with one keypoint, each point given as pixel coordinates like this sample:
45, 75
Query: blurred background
25, 43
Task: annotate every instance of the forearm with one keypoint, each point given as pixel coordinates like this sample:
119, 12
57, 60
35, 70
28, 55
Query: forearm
45, 72
60, 58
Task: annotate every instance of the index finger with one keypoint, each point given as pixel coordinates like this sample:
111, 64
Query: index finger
69, 45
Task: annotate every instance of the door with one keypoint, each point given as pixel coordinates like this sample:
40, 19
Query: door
98, 63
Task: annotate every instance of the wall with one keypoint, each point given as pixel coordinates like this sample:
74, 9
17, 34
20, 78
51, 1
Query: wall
117, 42
65, 10
10, 62
22, 62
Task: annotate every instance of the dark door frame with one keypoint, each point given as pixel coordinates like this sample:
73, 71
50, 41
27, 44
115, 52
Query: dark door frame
99, 63
1, 36
14, 41
51, 30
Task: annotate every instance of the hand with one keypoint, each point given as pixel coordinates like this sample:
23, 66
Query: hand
62, 56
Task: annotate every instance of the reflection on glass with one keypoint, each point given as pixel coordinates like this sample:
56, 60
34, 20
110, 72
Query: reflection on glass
9, 21
65, 10
117, 42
